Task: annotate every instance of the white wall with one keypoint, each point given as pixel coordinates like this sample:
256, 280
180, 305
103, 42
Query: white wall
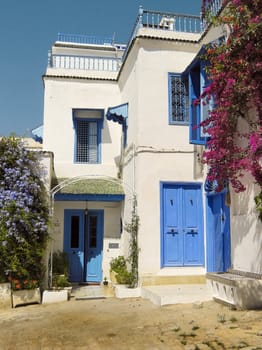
61, 97
161, 152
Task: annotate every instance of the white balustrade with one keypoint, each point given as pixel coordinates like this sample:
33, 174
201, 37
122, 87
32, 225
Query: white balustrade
85, 63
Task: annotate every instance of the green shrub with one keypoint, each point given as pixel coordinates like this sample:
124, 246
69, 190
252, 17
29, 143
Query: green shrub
119, 266
60, 281
60, 263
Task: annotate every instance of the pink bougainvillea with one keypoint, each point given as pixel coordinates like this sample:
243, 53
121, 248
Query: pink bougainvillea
235, 69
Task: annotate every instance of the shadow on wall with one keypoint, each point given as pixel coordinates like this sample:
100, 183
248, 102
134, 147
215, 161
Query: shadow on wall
249, 294
106, 137
246, 231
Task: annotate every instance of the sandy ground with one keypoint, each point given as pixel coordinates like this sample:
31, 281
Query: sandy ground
129, 324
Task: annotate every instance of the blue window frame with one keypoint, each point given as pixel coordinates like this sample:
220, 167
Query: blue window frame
178, 99
87, 136
197, 111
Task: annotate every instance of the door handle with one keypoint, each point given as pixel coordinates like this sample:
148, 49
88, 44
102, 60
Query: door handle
172, 232
192, 231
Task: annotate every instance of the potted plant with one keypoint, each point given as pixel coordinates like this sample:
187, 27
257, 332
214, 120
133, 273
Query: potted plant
60, 270
119, 266
61, 287
24, 291
105, 281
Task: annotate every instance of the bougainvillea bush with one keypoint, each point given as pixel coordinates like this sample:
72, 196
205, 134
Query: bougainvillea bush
235, 72
24, 215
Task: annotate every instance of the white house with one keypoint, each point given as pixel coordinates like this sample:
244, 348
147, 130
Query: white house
117, 119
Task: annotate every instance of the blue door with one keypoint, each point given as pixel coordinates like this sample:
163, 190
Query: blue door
218, 233
83, 238
94, 244
182, 225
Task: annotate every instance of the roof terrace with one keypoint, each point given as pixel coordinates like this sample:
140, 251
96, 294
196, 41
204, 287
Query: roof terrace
91, 53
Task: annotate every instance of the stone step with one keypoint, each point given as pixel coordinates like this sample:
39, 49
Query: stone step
82, 292
176, 294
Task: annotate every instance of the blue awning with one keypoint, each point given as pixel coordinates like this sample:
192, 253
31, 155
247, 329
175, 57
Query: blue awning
118, 114
37, 134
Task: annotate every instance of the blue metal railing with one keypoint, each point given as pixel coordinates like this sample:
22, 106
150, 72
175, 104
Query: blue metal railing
210, 9
84, 39
165, 21
171, 21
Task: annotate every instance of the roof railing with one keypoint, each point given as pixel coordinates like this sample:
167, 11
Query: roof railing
210, 8
85, 39
166, 21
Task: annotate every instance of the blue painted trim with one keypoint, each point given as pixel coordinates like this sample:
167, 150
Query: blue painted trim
201, 227
100, 126
119, 114
100, 228
37, 133
66, 239
67, 213
170, 121
82, 244
101, 110
196, 78
162, 224
89, 197
210, 237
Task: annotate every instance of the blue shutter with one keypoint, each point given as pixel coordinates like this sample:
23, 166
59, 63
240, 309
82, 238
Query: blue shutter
196, 113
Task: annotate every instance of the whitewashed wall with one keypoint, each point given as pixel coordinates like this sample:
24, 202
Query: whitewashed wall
162, 151
246, 231
61, 97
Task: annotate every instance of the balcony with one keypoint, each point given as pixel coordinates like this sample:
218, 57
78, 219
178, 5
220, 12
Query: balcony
85, 56
210, 8
168, 21
84, 39
91, 53
166, 25
84, 63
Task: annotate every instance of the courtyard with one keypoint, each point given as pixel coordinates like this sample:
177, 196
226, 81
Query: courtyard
133, 324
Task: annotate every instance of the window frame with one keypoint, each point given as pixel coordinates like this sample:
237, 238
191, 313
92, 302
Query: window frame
182, 76
99, 122
197, 82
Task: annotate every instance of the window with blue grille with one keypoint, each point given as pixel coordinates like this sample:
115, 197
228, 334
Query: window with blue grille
87, 137
178, 99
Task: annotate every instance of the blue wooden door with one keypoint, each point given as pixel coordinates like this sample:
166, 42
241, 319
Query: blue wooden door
182, 231
83, 241
94, 244
74, 226
218, 235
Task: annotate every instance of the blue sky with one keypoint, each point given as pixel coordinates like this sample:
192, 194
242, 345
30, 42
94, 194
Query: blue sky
29, 27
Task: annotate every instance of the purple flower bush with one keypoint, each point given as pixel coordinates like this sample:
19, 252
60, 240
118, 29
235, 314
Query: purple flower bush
24, 214
235, 69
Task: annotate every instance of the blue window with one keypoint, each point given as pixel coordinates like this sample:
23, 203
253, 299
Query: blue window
178, 99
87, 136
198, 112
